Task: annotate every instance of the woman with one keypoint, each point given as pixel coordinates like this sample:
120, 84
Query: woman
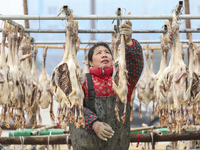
102, 129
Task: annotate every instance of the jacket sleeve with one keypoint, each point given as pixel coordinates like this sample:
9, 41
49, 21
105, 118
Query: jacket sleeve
134, 65
90, 118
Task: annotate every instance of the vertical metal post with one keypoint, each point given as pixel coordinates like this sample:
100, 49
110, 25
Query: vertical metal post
92, 6
187, 23
26, 22
187, 11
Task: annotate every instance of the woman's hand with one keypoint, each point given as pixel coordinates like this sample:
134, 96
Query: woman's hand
102, 130
126, 29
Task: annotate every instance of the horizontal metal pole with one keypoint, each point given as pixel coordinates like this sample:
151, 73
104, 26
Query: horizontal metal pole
94, 17
18, 25
105, 31
87, 48
109, 42
93, 42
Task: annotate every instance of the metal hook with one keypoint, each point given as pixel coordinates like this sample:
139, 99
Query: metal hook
66, 11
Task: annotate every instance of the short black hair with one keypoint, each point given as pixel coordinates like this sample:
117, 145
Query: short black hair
91, 50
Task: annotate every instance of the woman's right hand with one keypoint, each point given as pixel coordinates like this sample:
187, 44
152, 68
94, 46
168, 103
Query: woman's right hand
126, 29
102, 130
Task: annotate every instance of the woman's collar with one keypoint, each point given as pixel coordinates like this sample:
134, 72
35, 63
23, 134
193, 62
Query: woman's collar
102, 72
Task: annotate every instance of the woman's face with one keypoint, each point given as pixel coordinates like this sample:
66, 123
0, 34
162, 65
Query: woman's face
101, 57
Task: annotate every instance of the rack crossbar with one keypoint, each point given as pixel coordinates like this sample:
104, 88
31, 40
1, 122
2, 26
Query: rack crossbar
95, 17
105, 31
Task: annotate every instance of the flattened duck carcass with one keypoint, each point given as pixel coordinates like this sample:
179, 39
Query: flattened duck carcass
194, 102
167, 88
4, 70
115, 41
16, 87
120, 87
4, 77
152, 80
35, 77
195, 92
25, 50
146, 85
192, 83
180, 73
45, 96
180, 76
160, 89
65, 78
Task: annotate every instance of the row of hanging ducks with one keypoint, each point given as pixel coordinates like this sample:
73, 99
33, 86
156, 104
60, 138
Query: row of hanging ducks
176, 87
67, 79
21, 89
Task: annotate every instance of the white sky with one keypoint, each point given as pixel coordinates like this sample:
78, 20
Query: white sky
11, 7
103, 7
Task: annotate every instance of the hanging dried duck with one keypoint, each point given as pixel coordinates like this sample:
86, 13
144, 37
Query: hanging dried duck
145, 87
115, 41
160, 89
4, 77
17, 74
179, 74
45, 96
65, 78
120, 86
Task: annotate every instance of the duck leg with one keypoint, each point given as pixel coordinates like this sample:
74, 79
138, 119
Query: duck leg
117, 109
81, 119
51, 110
123, 118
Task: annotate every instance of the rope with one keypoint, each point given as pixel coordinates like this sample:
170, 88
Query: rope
48, 140
21, 140
67, 139
67, 142
13, 134
151, 137
152, 140
138, 140
39, 132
